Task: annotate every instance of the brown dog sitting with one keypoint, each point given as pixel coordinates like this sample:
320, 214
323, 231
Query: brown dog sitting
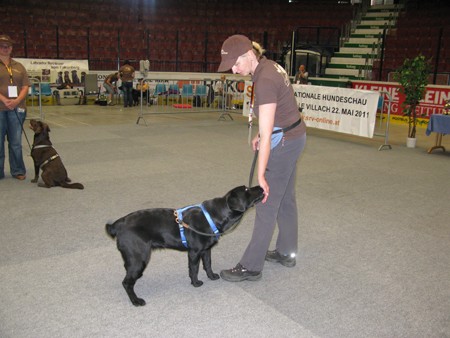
46, 158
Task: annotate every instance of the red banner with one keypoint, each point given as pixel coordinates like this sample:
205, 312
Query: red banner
433, 102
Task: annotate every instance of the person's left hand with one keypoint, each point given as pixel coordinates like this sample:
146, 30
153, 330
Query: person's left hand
263, 184
255, 143
11, 103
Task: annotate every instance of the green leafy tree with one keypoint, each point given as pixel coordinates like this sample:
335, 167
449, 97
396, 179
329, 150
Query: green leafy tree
413, 78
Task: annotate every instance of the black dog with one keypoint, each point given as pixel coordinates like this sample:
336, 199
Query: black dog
161, 228
136, 94
46, 158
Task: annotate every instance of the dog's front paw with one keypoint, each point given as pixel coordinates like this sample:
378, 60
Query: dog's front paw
34, 180
214, 276
197, 283
138, 302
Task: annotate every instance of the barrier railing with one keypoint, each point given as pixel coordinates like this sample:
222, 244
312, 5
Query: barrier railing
34, 100
388, 118
189, 96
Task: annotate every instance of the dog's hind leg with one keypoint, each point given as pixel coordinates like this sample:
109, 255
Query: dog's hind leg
136, 256
48, 181
194, 263
206, 260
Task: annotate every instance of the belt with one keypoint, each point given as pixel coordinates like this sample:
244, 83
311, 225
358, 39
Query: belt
285, 130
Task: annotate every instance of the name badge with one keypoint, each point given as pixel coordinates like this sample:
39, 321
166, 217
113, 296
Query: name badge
12, 92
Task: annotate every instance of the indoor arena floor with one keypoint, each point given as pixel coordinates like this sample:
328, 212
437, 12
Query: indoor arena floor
373, 258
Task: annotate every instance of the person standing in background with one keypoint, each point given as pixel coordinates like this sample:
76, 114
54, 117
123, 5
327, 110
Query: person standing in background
221, 96
14, 84
126, 73
302, 75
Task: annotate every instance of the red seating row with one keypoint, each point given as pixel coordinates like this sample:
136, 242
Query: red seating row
142, 29
419, 31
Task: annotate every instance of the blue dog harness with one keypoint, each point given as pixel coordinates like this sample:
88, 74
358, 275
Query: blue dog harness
179, 219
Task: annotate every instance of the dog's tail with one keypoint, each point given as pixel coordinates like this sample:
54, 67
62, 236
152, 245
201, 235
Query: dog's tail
72, 185
111, 229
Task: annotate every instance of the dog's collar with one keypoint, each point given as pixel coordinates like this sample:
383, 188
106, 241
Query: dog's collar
179, 219
48, 161
42, 146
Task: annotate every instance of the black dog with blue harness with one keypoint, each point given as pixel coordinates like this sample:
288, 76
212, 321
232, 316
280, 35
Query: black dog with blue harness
195, 229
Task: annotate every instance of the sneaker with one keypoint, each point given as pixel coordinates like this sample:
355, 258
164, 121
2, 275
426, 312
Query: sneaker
276, 257
111, 104
239, 274
20, 177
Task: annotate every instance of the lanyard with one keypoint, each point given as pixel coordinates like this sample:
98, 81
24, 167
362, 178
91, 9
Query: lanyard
250, 114
9, 69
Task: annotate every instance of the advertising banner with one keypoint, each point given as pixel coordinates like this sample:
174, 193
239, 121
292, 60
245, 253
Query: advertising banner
433, 102
247, 98
55, 71
338, 109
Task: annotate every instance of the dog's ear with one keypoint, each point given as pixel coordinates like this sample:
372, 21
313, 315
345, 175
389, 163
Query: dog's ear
236, 199
37, 127
45, 127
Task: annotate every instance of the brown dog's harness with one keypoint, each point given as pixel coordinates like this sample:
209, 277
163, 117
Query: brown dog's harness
178, 213
48, 160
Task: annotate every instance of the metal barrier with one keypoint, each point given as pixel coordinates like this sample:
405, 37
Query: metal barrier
190, 96
388, 118
34, 99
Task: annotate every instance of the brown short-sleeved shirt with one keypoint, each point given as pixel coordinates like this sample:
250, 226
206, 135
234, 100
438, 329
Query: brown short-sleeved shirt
272, 85
19, 78
126, 73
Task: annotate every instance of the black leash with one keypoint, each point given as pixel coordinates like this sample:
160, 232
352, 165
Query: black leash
252, 170
23, 130
187, 226
209, 234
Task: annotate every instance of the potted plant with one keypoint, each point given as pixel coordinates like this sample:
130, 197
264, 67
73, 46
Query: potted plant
413, 79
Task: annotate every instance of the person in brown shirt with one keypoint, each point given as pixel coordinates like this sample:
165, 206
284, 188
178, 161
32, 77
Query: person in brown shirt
126, 73
14, 84
275, 106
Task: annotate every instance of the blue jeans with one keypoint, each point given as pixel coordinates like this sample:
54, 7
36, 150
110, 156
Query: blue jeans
127, 94
11, 123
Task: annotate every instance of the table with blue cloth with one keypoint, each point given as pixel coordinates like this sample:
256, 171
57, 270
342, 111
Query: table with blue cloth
439, 124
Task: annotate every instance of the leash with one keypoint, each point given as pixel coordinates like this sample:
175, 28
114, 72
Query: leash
250, 114
23, 130
252, 170
197, 231
178, 213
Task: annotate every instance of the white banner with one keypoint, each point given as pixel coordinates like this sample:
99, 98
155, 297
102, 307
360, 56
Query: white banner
48, 70
344, 110
247, 98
